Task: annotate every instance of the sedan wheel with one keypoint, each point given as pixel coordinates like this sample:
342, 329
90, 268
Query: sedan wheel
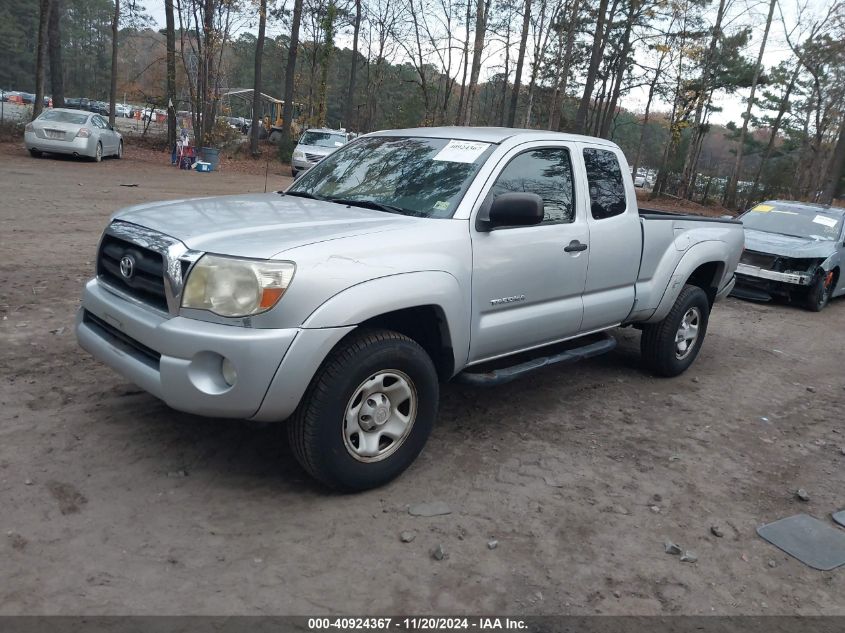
98, 154
819, 295
119, 154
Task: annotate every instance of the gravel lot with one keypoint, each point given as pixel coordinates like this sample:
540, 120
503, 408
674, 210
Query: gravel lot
112, 503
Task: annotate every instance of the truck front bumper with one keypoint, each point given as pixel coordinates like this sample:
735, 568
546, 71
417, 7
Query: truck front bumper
181, 360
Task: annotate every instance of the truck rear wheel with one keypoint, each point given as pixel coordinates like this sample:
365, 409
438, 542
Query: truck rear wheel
670, 346
368, 411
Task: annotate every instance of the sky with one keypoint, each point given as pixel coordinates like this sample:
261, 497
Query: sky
739, 12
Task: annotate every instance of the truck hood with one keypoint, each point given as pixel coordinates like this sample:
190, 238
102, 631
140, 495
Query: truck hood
787, 245
258, 225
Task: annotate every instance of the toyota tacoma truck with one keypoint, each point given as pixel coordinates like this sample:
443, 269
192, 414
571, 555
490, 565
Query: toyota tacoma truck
403, 260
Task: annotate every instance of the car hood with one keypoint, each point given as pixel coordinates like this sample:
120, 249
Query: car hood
787, 245
317, 149
259, 225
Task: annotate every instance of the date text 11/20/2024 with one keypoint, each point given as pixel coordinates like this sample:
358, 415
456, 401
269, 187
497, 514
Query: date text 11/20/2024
417, 624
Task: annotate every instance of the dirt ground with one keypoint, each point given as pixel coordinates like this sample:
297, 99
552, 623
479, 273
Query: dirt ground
111, 503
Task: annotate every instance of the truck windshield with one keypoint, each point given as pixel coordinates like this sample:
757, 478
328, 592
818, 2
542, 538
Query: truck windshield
424, 177
793, 221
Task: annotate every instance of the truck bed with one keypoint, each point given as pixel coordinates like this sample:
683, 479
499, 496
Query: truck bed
654, 214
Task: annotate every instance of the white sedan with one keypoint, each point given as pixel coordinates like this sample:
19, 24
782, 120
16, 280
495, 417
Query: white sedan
62, 131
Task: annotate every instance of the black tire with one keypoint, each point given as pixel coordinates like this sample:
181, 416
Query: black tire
98, 153
316, 429
658, 346
119, 154
818, 296
35, 153
294, 173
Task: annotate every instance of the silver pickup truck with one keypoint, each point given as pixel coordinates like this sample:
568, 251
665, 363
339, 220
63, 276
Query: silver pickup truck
405, 259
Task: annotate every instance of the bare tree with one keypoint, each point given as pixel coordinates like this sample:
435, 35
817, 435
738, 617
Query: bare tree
170, 37
40, 56
730, 190
115, 26
290, 71
482, 12
520, 60
256, 83
592, 70
350, 93
836, 167
54, 46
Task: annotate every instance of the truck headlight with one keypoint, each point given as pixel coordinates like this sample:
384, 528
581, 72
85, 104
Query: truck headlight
298, 153
232, 287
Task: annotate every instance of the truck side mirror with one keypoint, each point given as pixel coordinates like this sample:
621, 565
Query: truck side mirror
511, 209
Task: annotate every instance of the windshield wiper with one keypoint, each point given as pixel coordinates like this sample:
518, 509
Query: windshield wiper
303, 194
371, 204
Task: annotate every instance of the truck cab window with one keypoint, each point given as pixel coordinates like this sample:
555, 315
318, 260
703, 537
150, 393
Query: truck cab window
546, 172
607, 189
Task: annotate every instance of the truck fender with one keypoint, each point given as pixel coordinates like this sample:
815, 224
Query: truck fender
702, 253
327, 325
376, 297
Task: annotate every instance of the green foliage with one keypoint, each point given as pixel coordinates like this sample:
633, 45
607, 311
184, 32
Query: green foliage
18, 35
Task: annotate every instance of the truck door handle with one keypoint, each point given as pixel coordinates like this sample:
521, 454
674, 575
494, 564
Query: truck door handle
575, 246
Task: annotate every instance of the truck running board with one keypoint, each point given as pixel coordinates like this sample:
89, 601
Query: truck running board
501, 375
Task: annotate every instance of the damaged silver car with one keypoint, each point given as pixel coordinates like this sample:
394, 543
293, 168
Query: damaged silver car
793, 250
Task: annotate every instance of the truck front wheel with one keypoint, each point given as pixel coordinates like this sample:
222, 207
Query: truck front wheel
368, 411
670, 346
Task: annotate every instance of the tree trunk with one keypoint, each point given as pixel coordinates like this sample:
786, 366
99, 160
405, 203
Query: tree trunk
290, 71
835, 168
567, 61
462, 99
622, 66
482, 10
115, 25
730, 190
502, 104
540, 43
350, 93
674, 129
256, 83
207, 91
784, 104
170, 36
41, 57
325, 61
54, 46
704, 96
520, 60
636, 164
592, 71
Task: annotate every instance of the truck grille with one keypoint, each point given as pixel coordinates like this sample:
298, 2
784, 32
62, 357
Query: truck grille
146, 281
313, 158
761, 260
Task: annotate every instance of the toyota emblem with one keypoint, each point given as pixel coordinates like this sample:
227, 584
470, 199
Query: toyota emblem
127, 266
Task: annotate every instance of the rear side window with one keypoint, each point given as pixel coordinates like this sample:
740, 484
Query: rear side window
607, 189
546, 172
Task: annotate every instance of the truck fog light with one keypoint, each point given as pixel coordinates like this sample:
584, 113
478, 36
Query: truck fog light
230, 374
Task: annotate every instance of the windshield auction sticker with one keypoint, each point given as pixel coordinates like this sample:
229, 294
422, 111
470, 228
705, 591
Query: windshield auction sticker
824, 220
461, 151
